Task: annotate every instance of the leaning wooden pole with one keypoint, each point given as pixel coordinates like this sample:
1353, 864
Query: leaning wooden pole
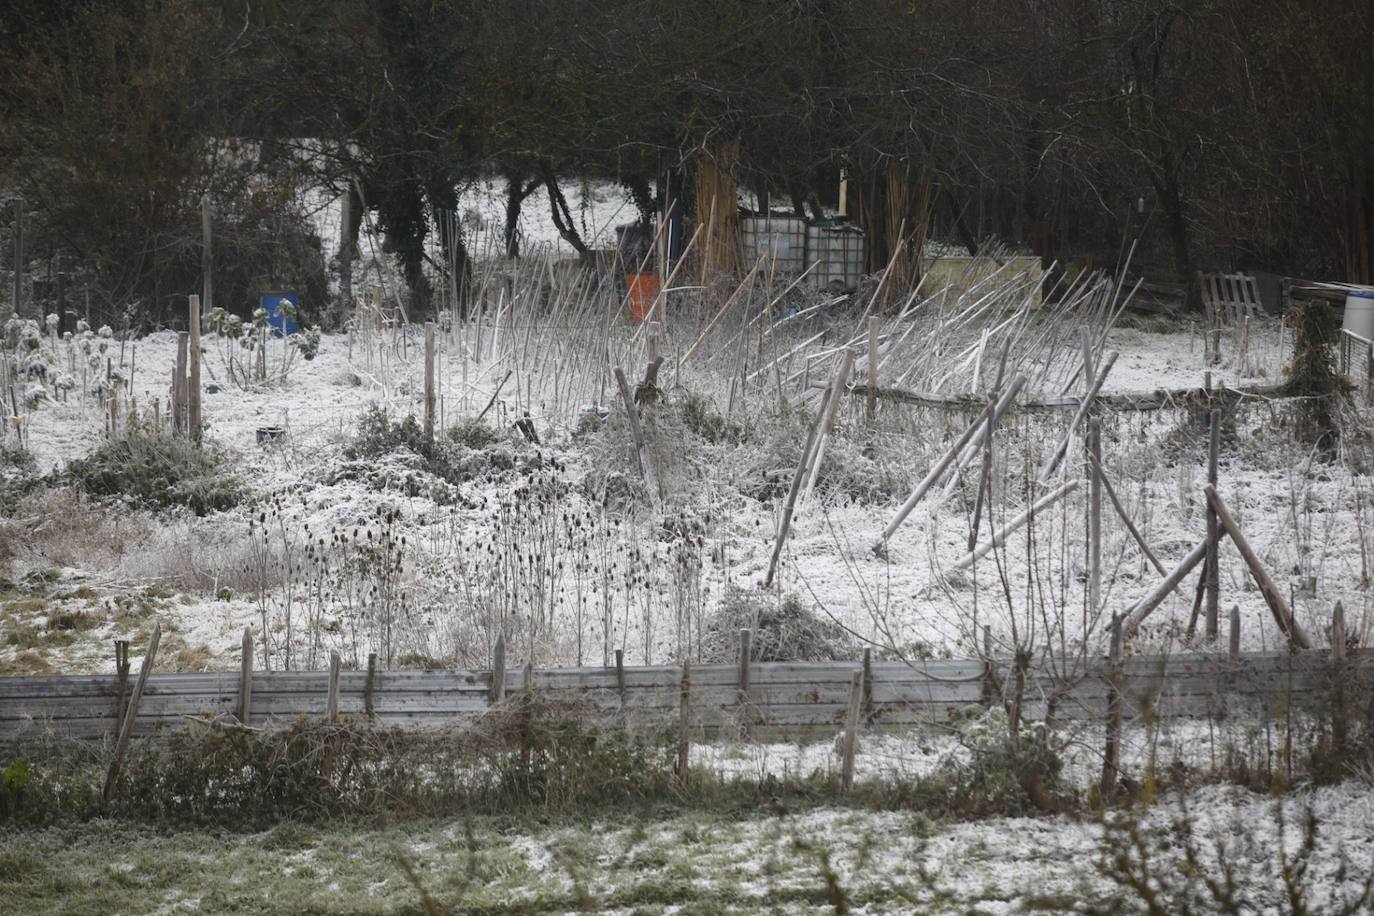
1000, 537
1283, 614
1058, 455
1145, 605
644, 460
938, 470
790, 506
131, 714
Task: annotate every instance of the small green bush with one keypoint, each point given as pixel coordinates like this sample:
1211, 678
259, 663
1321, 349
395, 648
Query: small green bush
701, 417
158, 472
466, 452
1313, 378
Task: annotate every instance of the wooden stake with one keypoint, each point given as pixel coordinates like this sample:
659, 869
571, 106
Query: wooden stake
18, 254
1111, 752
745, 640
872, 407
331, 709
1338, 634
429, 380
1233, 644
179, 384
851, 730
1094, 444
245, 710
1211, 570
193, 378
1278, 606
868, 684
498, 671
131, 714
122, 670
684, 721
371, 685
646, 467
207, 263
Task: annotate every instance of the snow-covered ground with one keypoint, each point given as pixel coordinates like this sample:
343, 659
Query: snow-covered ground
1303, 518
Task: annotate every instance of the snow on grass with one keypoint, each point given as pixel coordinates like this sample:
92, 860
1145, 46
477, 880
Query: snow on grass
686, 861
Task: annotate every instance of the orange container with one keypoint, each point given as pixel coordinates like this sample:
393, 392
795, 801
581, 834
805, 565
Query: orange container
644, 289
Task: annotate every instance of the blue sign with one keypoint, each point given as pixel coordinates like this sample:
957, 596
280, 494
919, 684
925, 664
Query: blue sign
280, 323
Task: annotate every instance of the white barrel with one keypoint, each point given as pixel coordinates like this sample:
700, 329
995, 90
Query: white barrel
1359, 313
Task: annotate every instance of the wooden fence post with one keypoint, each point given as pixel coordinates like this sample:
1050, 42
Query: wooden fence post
331, 710
179, 384
868, 685
745, 640
1233, 644
1111, 754
18, 255
207, 261
498, 671
370, 685
193, 377
122, 670
1338, 729
1338, 634
851, 730
429, 380
246, 678
131, 714
684, 721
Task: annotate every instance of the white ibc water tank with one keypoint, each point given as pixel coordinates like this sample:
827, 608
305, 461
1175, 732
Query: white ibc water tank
1359, 313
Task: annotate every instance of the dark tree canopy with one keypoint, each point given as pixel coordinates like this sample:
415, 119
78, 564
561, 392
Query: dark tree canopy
1224, 134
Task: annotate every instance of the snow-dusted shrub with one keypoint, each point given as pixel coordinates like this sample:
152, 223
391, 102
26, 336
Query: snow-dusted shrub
783, 630
158, 471
701, 417
453, 458
850, 469
1313, 379
994, 773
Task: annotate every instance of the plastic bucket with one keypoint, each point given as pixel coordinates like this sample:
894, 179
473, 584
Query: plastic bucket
644, 289
1359, 313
